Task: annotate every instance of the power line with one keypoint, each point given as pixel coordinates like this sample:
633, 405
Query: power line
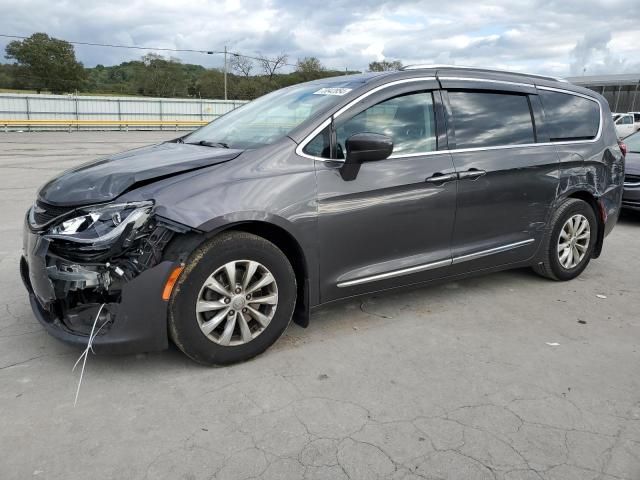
269, 65
164, 49
134, 47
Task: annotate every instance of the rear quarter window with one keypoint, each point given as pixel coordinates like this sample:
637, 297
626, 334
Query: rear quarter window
569, 117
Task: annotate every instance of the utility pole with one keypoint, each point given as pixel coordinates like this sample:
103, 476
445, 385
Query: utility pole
225, 72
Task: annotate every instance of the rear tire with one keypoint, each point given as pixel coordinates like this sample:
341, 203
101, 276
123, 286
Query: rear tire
217, 316
568, 246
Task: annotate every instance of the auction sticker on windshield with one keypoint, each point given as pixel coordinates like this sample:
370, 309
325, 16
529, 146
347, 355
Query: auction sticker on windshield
332, 91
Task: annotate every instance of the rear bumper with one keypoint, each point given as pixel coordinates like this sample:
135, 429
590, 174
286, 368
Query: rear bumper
136, 323
631, 205
631, 197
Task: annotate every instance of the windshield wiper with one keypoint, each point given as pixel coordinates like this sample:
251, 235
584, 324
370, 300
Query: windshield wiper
206, 143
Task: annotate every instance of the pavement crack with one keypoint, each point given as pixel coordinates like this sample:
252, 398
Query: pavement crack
608, 453
22, 362
30, 332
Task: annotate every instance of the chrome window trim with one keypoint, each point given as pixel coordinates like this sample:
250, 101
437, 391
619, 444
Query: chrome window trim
469, 149
417, 154
629, 184
497, 147
311, 136
588, 97
378, 88
326, 122
433, 265
571, 92
553, 89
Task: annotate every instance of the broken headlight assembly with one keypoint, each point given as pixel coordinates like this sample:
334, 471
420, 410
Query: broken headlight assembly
100, 225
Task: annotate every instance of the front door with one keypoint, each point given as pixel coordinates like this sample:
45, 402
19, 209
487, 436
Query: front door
391, 225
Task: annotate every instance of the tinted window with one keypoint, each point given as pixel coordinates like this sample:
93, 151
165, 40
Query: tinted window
484, 119
408, 120
320, 145
570, 117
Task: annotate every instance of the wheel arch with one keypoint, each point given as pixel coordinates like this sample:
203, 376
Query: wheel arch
589, 198
286, 242
182, 246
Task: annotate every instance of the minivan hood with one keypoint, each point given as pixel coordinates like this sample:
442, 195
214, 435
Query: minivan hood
105, 179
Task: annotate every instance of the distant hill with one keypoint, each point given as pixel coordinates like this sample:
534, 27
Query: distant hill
157, 76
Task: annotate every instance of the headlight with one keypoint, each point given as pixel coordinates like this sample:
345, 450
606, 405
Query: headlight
101, 225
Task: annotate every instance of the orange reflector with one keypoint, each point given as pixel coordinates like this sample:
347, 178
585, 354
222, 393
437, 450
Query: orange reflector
171, 281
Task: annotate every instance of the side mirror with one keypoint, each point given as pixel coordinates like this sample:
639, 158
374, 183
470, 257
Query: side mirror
368, 147
364, 147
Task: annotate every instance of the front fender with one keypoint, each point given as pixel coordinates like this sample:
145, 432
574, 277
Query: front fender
239, 194
228, 220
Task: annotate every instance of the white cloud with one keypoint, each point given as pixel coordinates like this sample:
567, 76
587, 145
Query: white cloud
550, 36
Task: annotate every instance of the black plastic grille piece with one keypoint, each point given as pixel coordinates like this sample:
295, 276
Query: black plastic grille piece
43, 212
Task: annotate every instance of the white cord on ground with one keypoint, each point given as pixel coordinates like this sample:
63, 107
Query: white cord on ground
85, 353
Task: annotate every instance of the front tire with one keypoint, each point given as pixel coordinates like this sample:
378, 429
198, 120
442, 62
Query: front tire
233, 300
568, 246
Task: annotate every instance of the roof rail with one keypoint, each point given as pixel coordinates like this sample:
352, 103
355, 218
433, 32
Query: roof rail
480, 69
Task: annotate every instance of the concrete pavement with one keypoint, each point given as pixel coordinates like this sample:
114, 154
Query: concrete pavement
456, 381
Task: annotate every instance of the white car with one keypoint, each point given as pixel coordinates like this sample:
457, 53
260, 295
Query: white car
636, 119
625, 125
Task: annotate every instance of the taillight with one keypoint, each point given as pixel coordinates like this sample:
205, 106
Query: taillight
623, 148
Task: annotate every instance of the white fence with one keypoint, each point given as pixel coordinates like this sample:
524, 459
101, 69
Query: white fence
52, 112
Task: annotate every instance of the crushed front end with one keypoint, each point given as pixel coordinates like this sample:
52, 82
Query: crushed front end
76, 259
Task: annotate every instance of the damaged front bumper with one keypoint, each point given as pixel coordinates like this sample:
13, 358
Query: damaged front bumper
66, 295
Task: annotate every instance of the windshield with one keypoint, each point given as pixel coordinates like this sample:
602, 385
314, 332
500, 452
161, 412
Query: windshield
633, 143
269, 118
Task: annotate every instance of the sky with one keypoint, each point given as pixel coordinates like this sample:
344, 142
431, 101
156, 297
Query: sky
553, 37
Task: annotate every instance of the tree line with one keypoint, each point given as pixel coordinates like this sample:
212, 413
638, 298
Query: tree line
46, 64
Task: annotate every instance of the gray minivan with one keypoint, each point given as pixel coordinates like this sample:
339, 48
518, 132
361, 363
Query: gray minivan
319, 192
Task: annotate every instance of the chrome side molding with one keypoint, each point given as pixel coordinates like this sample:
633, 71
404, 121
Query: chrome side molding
396, 273
491, 251
433, 265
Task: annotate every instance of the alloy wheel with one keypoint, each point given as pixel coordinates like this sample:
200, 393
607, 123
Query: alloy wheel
237, 302
573, 242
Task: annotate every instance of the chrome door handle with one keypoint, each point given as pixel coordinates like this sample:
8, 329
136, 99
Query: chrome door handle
471, 174
441, 178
